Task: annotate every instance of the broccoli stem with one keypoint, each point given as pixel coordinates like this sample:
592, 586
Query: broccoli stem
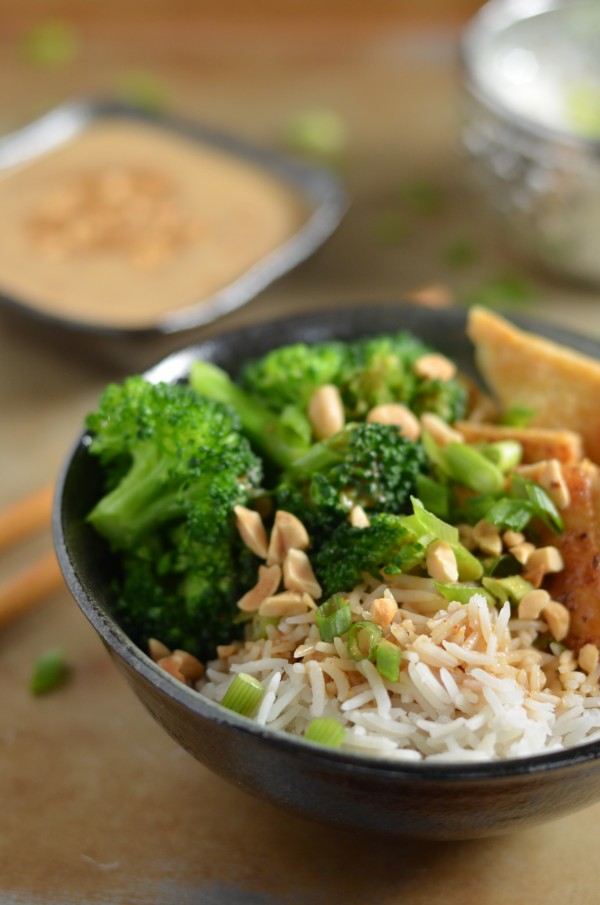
139, 503
261, 425
324, 454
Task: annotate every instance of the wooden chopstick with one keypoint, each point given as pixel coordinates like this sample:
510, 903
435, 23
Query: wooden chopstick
42, 577
26, 516
29, 587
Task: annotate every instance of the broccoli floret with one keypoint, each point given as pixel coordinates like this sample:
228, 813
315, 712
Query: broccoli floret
381, 370
386, 546
175, 455
281, 439
176, 465
288, 376
371, 465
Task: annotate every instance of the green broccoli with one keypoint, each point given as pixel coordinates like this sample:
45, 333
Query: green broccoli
175, 464
371, 465
282, 440
290, 374
381, 370
385, 546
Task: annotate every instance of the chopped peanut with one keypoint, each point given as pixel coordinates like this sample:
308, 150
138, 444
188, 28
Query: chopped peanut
441, 561
465, 533
190, 666
557, 616
227, 650
251, 530
434, 367
172, 665
549, 558
397, 414
326, 411
269, 578
157, 649
288, 532
512, 538
288, 603
532, 604
441, 432
298, 574
487, 537
359, 518
383, 611
588, 658
552, 480
522, 552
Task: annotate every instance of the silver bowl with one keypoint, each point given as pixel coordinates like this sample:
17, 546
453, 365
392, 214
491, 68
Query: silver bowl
531, 69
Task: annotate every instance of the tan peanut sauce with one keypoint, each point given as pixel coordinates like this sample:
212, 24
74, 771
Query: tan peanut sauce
127, 222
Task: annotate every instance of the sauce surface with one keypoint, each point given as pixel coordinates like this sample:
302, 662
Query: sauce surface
127, 222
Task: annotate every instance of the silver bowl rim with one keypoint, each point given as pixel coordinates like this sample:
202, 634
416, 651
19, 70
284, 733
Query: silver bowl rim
491, 19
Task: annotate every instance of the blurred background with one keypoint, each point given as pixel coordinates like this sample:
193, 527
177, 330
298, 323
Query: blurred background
371, 90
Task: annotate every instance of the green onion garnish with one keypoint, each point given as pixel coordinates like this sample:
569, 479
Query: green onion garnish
260, 624
434, 496
506, 454
512, 588
53, 43
472, 469
388, 660
510, 513
334, 618
49, 671
517, 416
462, 593
326, 731
430, 524
469, 567
543, 507
363, 638
244, 694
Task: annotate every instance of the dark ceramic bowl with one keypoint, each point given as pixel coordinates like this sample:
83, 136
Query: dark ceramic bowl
352, 791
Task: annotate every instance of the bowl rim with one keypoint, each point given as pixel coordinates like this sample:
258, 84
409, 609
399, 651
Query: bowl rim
491, 19
189, 699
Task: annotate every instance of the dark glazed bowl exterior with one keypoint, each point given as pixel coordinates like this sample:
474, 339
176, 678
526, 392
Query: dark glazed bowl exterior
450, 801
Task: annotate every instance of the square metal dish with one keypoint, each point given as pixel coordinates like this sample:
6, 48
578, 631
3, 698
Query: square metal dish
317, 189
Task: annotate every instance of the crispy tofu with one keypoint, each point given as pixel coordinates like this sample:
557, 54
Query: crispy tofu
561, 386
578, 585
538, 443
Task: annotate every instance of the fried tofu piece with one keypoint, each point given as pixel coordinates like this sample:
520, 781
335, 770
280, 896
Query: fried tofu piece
578, 585
538, 443
561, 386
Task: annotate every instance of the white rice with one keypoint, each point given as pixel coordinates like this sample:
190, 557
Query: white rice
472, 686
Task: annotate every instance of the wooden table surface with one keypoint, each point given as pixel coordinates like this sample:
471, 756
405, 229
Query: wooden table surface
98, 804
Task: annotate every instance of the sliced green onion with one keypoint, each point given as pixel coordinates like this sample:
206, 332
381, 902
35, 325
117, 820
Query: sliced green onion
434, 496
334, 618
434, 452
506, 454
462, 593
470, 468
543, 507
388, 660
260, 625
363, 638
517, 416
512, 588
52, 43
244, 694
469, 567
430, 524
510, 513
49, 672
326, 731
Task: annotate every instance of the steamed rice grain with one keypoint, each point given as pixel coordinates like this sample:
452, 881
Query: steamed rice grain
472, 686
